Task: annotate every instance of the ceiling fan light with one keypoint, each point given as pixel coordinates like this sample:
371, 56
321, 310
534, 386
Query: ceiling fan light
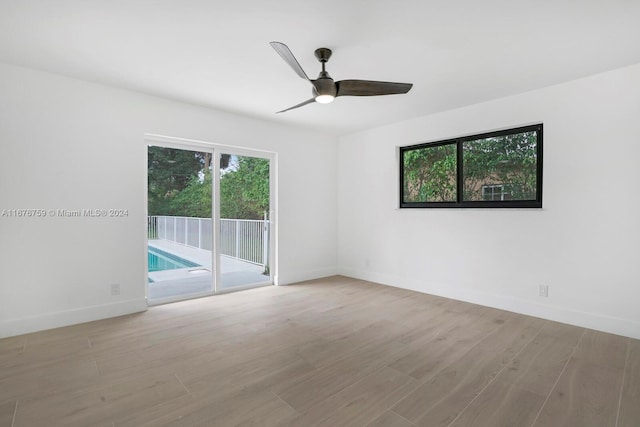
324, 99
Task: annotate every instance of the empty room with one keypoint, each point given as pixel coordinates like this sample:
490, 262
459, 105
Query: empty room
295, 213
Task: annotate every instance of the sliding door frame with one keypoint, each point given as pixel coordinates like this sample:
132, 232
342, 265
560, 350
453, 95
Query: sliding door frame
216, 213
216, 150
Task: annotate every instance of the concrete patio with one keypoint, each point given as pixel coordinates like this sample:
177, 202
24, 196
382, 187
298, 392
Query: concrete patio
234, 273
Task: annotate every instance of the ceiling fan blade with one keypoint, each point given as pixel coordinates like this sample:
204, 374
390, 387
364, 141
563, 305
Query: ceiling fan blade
308, 101
370, 88
285, 53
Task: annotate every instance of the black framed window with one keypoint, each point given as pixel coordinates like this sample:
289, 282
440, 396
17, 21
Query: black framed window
489, 170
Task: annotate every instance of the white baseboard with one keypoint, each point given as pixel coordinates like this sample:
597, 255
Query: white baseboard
301, 276
25, 325
599, 322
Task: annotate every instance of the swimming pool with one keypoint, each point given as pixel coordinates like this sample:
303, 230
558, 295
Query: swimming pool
160, 260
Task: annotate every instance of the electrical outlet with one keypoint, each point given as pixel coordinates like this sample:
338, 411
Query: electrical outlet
115, 289
543, 290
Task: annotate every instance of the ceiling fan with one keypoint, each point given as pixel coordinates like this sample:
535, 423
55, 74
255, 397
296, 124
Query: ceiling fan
325, 89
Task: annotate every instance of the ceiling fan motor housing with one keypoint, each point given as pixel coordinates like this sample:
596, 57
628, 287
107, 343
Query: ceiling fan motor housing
324, 86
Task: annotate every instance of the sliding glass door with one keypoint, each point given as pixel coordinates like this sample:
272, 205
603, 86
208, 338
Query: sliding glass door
209, 220
180, 223
244, 230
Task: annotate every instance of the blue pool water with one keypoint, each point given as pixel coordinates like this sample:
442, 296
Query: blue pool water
160, 260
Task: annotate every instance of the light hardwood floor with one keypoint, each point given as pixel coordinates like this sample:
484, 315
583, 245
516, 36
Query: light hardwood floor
330, 352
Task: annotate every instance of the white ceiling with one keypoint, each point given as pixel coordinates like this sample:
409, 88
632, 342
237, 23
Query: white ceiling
217, 54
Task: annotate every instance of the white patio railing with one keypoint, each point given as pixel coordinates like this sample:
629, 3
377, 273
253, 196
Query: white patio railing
243, 239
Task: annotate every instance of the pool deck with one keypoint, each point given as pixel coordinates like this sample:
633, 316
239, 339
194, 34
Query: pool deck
234, 273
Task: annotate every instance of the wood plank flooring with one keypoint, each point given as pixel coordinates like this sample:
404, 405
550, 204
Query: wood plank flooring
331, 352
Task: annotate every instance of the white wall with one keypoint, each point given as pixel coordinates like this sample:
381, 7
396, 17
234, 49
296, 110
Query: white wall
69, 144
584, 243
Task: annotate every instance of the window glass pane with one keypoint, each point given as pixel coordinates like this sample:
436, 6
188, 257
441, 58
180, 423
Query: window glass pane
500, 167
430, 174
